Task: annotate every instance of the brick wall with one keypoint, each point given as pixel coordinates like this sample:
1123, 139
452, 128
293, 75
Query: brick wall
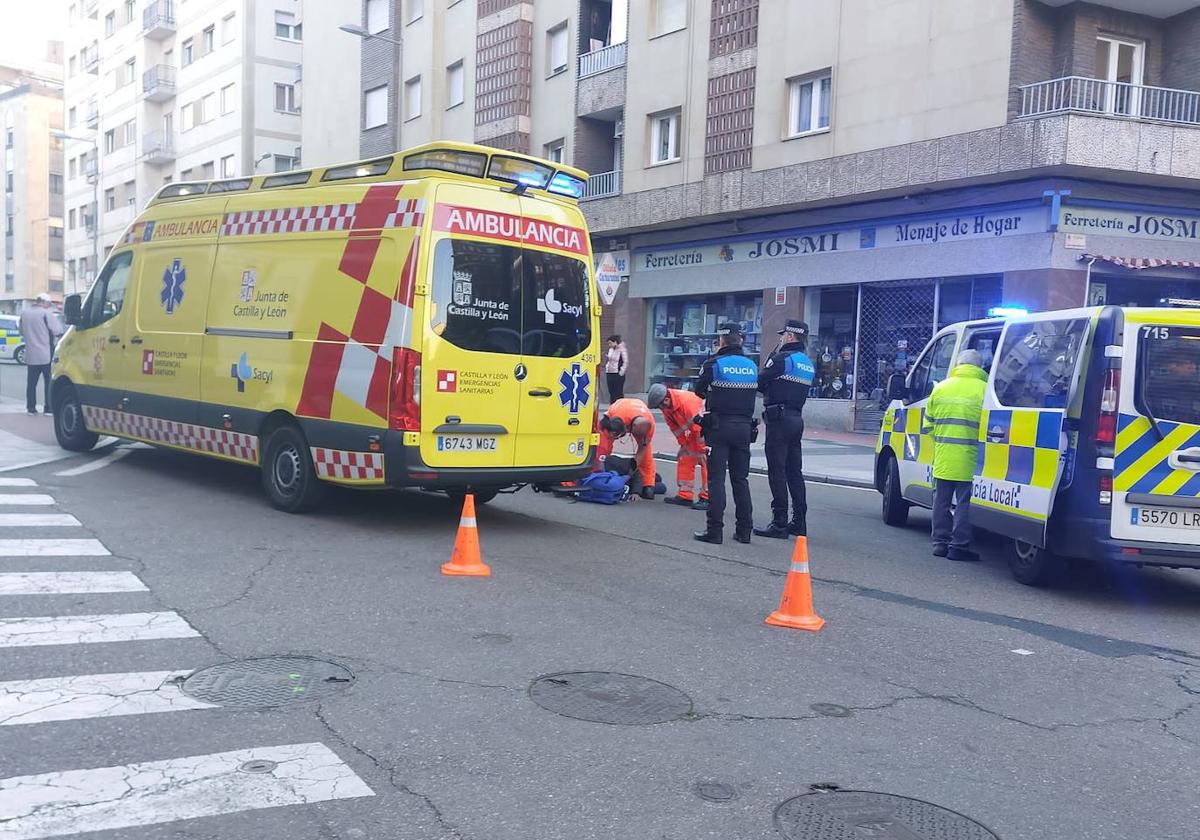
378, 67
1035, 49
503, 72
729, 124
1085, 22
1181, 51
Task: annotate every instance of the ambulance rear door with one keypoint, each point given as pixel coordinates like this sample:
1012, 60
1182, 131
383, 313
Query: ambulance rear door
1156, 463
1024, 443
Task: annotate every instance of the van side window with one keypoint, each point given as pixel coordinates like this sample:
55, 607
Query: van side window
108, 293
984, 341
1036, 363
933, 367
1168, 376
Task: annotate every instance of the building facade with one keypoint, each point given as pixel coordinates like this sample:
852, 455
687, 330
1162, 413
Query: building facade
31, 251
174, 90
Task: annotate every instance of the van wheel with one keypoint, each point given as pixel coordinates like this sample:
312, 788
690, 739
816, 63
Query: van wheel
288, 477
483, 495
1034, 566
19, 355
895, 509
69, 429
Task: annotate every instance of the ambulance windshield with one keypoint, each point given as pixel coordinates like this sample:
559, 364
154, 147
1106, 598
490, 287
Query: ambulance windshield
1169, 375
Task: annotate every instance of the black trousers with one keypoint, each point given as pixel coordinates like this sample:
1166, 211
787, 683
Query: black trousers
729, 451
785, 468
616, 386
32, 372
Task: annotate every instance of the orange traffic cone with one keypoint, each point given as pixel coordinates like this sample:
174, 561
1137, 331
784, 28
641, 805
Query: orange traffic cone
796, 607
466, 560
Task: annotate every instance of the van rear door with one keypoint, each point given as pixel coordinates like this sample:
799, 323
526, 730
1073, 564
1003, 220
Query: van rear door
1156, 463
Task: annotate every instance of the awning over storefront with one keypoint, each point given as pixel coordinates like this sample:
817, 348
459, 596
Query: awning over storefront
1139, 263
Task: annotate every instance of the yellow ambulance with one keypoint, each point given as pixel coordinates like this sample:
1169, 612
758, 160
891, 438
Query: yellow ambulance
427, 318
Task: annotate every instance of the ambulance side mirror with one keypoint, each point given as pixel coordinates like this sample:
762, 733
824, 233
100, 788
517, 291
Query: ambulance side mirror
73, 310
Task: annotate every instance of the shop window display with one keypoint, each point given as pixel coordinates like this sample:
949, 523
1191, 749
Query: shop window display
684, 333
831, 314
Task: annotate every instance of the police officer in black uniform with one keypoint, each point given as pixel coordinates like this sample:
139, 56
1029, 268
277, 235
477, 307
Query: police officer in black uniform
728, 382
784, 382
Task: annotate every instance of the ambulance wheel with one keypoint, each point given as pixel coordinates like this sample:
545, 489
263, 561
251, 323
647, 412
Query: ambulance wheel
1034, 566
895, 509
69, 429
483, 495
19, 355
288, 477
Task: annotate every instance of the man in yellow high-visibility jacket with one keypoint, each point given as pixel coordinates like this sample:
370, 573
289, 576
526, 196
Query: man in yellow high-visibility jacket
952, 417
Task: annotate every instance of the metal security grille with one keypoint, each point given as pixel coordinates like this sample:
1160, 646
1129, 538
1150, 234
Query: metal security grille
729, 130
895, 323
734, 26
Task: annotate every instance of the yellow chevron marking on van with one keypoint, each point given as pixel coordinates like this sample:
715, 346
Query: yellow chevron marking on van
1157, 454
1128, 436
1173, 483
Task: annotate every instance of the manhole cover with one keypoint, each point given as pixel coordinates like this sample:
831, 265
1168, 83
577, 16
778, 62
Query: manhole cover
715, 791
830, 710
854, 815
605, 697
270, 681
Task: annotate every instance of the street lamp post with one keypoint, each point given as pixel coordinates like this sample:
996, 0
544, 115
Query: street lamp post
95, 201
361, 32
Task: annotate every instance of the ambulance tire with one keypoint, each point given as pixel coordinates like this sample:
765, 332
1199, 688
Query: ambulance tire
895, 509
288, 477
482, 496
69, 429
1034, 566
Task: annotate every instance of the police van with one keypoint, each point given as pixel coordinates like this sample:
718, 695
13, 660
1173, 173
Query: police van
1089, 444
11, 345
426, 318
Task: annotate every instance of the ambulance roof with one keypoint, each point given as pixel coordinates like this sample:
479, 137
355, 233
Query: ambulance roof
444, 160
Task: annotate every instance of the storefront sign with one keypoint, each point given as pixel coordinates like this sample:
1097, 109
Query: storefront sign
792, 244
1076, 241
1130, 223
781, 295
608, 278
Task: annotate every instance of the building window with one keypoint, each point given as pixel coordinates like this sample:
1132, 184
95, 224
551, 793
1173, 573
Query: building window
110, 199
412, 98
377, 16
187, 116
669, 16
554, 151
286, 26
416, 8
208, 39
286, 163
285, 98
129, 11
208, 108
227, 167
375, 107
130, 133
71, 219
227, 99
130, 72
71, 65
808, 108
208, 170
72, 168
110, 24
556, 49
189, 53
664, 138
455, 82
110, 141
71, 117
228, 33
56, 183
131, 193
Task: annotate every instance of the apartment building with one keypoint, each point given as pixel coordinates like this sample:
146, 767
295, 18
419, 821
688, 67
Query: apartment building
182, 89
31, 250
877, 168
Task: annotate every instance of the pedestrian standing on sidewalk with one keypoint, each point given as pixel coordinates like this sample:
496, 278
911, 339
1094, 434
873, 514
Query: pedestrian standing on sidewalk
679, 409
615, 364
784, 381
38, 328
952, 417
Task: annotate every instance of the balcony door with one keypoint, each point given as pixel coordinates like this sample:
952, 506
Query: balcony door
1121, 64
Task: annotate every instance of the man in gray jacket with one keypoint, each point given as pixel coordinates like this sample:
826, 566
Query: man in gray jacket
39, 328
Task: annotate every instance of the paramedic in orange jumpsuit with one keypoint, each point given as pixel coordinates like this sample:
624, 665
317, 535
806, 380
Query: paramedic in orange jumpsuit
678, 408
628, 416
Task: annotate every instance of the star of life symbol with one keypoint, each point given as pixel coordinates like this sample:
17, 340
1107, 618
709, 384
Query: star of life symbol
462, 288
172, 291
249, 278
574, 393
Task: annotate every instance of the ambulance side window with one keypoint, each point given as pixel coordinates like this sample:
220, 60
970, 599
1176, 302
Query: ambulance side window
107, 298
1036, 364
476, 296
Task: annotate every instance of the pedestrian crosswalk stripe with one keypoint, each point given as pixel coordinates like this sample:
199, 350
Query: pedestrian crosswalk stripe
52, 547
68, 583
93, 696
38, 520
25, 499
17, 482
92, 629
155, 792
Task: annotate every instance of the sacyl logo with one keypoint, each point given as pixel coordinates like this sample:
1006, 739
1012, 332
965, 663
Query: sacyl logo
550, 307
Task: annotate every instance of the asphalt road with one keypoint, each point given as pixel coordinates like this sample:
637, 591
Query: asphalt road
1043, 715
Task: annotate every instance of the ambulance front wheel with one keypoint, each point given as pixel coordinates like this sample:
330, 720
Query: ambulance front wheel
1034, 566
288, 477
895, 509
69, 429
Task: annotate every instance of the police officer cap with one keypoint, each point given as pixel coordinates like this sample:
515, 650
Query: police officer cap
656, 395
729, 329
798, 328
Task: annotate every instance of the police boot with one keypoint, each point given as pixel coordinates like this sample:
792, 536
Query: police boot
713, 537
797, 529
742, 537
775, 531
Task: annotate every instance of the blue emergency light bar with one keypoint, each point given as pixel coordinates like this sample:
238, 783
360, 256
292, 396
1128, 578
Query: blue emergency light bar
1007, 312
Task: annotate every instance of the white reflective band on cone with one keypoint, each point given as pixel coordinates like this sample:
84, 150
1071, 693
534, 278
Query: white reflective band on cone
467, 522
800, 567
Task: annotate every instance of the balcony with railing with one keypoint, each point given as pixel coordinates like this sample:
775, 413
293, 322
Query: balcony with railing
1081, 95
603, 185
158, 147
158, 83
601, 60
158, 20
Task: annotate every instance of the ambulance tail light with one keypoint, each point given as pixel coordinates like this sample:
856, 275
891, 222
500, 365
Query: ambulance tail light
404, 414
1110, 398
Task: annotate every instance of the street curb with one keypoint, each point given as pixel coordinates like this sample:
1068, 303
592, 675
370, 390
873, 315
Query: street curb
836, 480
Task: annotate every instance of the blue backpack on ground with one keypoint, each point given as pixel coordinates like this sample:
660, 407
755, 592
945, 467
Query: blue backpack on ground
604, 488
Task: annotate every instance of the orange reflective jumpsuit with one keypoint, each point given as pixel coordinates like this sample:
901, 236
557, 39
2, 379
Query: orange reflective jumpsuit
629, 410
684, 406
